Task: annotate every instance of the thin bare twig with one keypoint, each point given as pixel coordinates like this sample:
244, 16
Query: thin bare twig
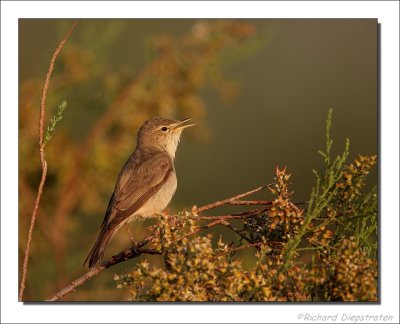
42, 159
250, 202
239, 248
227, 201
243, 247
125, 255
243, 215
238, 232
223, 220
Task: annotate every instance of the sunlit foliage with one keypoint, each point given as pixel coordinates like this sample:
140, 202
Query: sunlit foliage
324, 252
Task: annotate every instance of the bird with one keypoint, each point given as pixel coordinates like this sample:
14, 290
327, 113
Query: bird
146, 182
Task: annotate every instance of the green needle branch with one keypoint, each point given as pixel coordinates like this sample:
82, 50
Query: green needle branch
53, 121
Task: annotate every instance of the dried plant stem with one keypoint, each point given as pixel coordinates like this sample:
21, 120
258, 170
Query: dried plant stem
33, 218
250, 202
248, 214
42, 159
125, 255
238, 232
244, 247
229, 200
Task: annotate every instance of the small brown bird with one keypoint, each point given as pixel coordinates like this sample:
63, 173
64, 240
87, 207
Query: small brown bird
146, 183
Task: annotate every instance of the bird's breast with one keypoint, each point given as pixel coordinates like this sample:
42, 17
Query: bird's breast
160, 200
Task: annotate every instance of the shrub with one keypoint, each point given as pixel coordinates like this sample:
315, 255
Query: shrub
325, 251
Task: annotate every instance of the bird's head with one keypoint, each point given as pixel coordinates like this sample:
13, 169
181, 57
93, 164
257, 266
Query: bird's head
162, 133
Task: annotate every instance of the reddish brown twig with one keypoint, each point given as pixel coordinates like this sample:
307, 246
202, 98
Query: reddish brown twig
244, 247
250, 202
223, 220
243, 215
238, 232
125, 255
227, 201
239, 248
42, 159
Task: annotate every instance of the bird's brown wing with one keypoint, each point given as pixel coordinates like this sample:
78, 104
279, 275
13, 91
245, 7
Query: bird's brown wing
136, 184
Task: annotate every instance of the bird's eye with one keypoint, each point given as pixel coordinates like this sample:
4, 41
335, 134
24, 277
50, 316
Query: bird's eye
164, 129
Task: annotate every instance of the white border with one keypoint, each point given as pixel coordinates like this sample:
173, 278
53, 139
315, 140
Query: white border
385, 11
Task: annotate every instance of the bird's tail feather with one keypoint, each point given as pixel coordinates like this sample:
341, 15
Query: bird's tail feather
99, 247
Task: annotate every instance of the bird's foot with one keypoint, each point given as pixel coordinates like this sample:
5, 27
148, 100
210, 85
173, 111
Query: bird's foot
130, 235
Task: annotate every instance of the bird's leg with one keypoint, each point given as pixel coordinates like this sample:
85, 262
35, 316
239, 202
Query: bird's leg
129, 232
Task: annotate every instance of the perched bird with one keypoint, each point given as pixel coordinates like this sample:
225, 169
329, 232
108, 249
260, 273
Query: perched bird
146, 182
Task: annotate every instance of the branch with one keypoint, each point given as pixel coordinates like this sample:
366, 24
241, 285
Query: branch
227, 201
244, 247
42, 159
137, 249
250, 202
123, 256
242, 215
238, 232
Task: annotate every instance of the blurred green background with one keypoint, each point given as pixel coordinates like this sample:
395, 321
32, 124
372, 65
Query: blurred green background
259, 89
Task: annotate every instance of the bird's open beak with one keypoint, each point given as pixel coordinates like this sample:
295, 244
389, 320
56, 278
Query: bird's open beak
179, 126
